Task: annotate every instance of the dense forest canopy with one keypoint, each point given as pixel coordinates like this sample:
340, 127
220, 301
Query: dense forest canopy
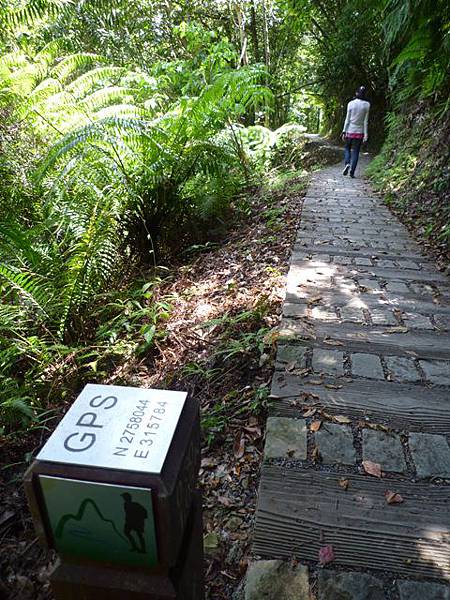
129, 128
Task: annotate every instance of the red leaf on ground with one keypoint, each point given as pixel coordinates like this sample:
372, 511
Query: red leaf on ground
326, 554
372, 468
315, 425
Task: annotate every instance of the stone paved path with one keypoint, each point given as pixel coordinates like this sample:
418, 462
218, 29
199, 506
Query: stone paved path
362, 374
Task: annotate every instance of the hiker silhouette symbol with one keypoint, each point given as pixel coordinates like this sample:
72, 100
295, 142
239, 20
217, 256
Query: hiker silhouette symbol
135, 516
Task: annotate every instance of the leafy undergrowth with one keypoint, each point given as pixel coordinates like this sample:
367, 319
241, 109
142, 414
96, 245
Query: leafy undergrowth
413, 173
212, 335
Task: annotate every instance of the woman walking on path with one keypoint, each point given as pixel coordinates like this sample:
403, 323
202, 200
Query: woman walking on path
355, 130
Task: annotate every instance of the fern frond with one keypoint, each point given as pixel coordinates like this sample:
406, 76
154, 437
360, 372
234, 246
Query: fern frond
96, 77
11, 315
105, 97
69, 66
29, 286
33, 10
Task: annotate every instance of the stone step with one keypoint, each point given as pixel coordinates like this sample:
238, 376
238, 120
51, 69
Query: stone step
290, 580
361, 382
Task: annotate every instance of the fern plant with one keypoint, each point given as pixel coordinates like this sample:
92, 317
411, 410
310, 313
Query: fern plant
417, 38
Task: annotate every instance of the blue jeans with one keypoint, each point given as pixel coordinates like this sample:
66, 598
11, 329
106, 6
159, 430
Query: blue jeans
351, 153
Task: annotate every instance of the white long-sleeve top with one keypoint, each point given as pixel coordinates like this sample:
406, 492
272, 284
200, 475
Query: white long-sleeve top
357, 118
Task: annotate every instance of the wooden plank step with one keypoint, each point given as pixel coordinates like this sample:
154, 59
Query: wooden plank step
406, 302
365, 251
299, 511
376, 340
399, 406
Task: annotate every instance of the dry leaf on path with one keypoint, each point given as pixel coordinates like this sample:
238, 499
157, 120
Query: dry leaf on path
310, 412
377, 427
332, 386
341, 419
303, 372
331, 342
309, 396
393, 497
344, 483
326, 554
316, 455
315, 425
291, 366
396, 330
372, 468
326, 415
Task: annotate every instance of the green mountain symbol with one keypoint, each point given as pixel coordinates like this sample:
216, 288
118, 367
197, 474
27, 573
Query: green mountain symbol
88, 523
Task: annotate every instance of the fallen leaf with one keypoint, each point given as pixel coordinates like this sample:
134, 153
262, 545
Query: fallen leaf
239, 446
393, 497
271, 337
372, 468
310, 412
378, 427
341, 419
291, 366
316, 455
315, 300
208, 462
303, 372
315, 425
309, 395
332, 386
263, 359
396, 330
210, 542
315, 381
326, 554
344, 483
254, 430
326, 415
331, 342
225, 501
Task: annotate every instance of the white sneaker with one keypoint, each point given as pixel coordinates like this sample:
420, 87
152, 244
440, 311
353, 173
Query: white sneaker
346, 170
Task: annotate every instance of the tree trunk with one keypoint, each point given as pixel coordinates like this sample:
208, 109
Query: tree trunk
254, 31
241, 22
266, 55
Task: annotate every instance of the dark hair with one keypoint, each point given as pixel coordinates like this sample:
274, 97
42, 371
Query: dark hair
361, 92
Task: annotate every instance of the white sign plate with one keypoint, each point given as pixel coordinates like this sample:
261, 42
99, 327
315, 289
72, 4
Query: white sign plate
116, 427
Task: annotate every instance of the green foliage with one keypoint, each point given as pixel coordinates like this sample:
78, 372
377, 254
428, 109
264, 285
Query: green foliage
346, 43
119, 160
112, 162
412, 172
417, 38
